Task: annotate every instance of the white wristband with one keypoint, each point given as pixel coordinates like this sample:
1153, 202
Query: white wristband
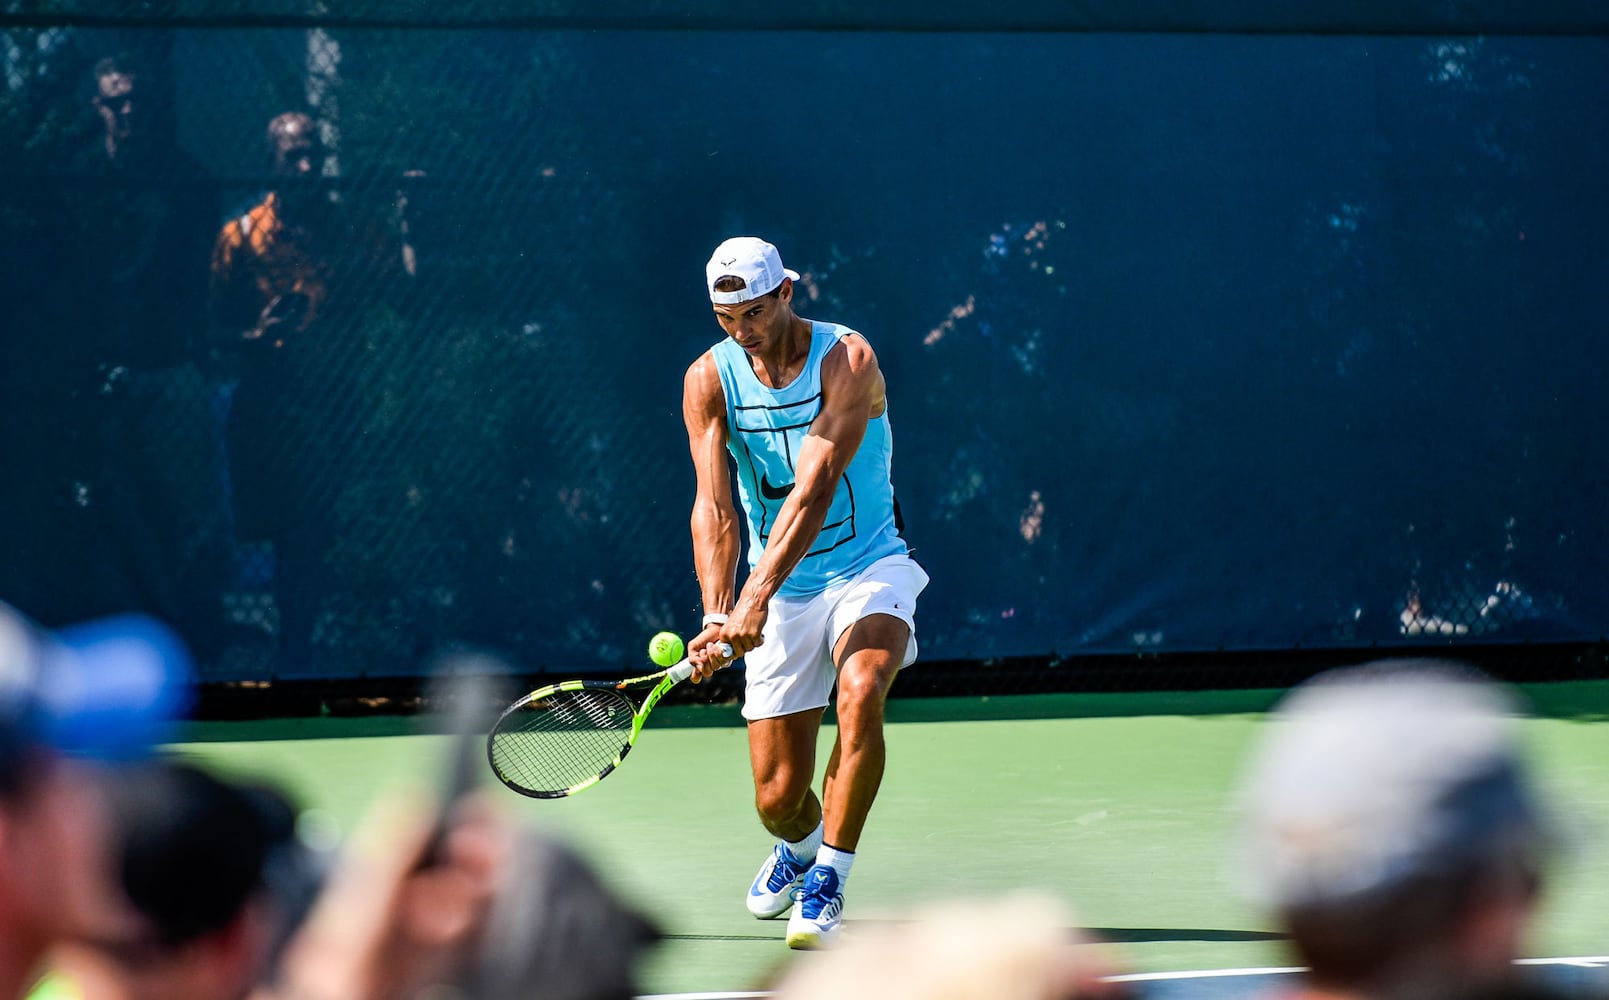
715, 618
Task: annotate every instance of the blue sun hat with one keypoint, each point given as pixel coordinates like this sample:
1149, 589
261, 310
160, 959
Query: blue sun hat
106, 690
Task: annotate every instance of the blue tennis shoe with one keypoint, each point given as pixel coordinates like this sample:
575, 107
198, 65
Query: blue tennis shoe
821, 903
774, 888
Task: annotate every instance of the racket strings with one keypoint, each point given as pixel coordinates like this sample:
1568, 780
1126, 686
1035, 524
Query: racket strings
557, 742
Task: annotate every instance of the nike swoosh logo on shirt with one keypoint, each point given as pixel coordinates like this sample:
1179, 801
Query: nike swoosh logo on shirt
774, 492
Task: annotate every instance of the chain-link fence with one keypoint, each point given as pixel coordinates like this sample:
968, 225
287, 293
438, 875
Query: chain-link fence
338, 342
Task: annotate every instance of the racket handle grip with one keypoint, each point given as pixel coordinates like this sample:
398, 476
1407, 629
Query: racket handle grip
683, 670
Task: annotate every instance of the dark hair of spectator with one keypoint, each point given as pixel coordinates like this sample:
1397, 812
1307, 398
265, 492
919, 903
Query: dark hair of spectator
1349, 946
119, 62
193, 850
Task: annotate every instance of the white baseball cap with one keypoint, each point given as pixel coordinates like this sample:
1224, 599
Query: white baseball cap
750, 259
1372, 776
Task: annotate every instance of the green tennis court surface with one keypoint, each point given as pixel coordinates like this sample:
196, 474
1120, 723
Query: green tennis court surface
1120, 803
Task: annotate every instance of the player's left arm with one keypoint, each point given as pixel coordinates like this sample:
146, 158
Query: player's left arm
852, 392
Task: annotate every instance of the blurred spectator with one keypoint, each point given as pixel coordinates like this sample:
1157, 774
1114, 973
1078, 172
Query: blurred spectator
1020, 948
272, 271
304, 284
144, 222
556, 932
408, 218
1391, 829
99, 692
1416, 621
271, 267
1475, 614
122, 263
216, 877
116, 103
498, 913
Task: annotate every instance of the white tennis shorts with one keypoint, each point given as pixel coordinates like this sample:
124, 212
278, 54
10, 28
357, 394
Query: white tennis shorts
792, 671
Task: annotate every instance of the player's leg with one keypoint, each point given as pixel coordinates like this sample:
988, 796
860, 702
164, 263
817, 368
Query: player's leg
870, 654
868, 661
782, 754
874, 627
787, 683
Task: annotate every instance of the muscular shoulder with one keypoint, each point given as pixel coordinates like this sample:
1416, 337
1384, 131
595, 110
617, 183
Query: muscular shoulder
701, 387
850, 370
703, 375
851, 355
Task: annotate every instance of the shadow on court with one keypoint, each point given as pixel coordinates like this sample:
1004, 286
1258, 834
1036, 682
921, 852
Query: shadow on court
1138, 935
1116, 935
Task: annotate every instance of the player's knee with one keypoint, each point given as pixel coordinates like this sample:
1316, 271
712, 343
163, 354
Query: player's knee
779, 799
863, 683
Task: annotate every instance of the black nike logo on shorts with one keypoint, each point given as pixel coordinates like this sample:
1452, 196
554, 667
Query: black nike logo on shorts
774, 492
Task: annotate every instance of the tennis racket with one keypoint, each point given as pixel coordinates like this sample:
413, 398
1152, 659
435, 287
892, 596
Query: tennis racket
567, 737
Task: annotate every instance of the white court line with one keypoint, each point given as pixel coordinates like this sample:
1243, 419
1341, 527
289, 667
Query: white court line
1582, 961
1154, 977
1585, 962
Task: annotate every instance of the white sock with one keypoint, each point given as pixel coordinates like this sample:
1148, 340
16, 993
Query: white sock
838, 861
805, 850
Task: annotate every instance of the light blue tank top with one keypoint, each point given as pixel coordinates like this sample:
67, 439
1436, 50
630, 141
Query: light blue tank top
765, 427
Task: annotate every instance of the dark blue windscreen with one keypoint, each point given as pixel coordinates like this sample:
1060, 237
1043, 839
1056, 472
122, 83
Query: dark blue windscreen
1192, 342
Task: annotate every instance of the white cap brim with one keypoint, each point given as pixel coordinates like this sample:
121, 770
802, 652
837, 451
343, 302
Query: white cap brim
746, 294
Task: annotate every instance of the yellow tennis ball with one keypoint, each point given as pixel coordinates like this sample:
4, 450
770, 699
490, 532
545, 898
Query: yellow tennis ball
666, 649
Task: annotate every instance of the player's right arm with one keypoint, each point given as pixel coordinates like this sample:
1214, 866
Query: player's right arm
715, 520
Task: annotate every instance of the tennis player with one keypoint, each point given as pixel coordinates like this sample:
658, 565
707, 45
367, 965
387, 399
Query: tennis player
801, 409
